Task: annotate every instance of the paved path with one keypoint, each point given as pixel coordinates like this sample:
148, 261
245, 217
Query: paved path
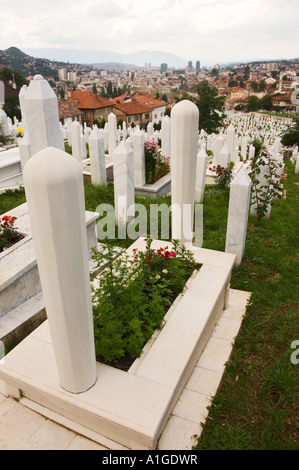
22, 428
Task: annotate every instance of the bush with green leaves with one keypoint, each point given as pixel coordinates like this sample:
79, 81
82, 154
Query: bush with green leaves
222, 175
268, 187
131, 296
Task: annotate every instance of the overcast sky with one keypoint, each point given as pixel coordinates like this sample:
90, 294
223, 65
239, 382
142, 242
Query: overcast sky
212, 31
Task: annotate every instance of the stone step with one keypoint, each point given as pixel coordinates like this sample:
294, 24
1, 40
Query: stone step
22, 320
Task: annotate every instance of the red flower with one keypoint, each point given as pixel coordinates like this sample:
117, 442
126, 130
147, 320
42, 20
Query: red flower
148, 261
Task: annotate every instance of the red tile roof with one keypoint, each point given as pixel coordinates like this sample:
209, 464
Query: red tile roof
132, 107
67, 109
149, 100
84, 99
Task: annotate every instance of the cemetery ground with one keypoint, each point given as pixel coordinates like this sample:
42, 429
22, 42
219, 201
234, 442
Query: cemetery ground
256, 404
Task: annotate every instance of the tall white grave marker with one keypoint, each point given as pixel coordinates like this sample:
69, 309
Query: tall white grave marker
139, 157
55, 197
201, 167
112, 133
239, 200
97, 158
184, 139
41, 115
76, 141
123, 174
166, 137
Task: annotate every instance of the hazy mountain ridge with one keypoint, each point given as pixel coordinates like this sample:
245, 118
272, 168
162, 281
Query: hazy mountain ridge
138, 58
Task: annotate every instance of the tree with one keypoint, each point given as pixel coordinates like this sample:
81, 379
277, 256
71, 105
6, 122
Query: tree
210, 106
247, 73
94, 88
262, 86
290, 136
253, 103
215, 72
13, 75
266, 102
254, 86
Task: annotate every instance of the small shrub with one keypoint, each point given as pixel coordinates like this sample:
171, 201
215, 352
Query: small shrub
223, 175
8, 232
132, 297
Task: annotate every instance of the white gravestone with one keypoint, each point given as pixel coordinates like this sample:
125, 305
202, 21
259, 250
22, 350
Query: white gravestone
123, 175
97, 158
137, 138
184, 139
55, 196
201, 167
41, 115
239, 200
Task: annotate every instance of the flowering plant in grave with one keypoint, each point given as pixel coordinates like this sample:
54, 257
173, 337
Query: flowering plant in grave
20, 132
8, 232
132, 295
264, 192
156, 166
223, 175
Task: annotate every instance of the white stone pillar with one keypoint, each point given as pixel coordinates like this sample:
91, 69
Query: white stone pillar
76, 141
42, 117
239, 200
24, 150
224, 156
22, 95
150, 130
244, 147
97, 158
139, 157
230, 138
251, 152
55, 196
236, 154
83, 145
2, 94
4, 129
106, 137
184, 138
219, 142
166, 137
201, 168
112, 133
123, 174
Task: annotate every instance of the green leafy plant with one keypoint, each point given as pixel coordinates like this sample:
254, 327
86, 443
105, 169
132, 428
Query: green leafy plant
131, 296
156, 166
265, 189
8, 232
223, 175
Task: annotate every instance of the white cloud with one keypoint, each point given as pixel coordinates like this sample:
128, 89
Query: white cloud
209, 30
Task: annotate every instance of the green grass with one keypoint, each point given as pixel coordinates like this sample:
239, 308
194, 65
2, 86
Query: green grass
11, 198
256, 405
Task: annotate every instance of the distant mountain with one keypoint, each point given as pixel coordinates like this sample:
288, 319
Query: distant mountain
14, 59
15, 53
156, 58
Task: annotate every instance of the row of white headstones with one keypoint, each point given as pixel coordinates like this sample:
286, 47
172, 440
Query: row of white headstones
40, 121
55, 196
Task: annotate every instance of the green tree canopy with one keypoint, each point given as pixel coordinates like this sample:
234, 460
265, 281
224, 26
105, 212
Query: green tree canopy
253, 103
8, 74
210, 106
290, 136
